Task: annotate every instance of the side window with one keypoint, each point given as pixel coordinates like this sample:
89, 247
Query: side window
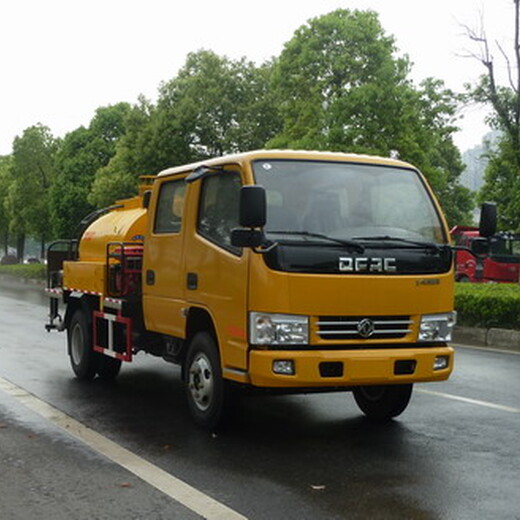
218, 209
170, 205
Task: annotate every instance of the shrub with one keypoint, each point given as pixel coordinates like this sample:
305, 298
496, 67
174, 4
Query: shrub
8, 260
25, 271
488, 305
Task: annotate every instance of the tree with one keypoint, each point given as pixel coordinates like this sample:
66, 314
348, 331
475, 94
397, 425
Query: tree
213, 106
32, 173
82, 153
502, 177
218, 106
134, 154
339, 86
329, 78
5, 165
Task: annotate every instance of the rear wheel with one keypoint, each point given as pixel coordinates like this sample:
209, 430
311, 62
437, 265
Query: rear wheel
83, 359
207, 392
384, 401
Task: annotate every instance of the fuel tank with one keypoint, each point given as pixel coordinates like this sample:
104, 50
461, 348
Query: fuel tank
126, 223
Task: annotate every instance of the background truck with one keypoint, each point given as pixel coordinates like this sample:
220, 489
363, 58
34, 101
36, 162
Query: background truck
501, 263
280, 270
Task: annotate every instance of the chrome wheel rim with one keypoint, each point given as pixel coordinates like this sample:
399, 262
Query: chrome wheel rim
201, 382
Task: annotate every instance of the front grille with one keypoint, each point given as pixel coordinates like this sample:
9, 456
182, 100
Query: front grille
335, 328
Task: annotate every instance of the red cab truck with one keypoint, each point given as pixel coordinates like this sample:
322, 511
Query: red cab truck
500, 264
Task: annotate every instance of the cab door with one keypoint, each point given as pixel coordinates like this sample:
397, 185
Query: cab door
216, 271
163, 279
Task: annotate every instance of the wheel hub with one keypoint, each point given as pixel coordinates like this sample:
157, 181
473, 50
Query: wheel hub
200, 382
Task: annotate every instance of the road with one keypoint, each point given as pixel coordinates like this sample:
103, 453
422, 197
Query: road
129, 450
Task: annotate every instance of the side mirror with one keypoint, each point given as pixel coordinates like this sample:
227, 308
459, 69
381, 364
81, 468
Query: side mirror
247, 237
252, 207
252, 216
488, 220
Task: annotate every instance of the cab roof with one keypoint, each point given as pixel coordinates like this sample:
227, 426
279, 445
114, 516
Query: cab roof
245, 157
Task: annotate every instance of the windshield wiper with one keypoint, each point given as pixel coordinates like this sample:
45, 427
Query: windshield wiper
404, 241
349, 243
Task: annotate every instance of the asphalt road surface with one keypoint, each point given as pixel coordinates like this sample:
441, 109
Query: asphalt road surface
129, 450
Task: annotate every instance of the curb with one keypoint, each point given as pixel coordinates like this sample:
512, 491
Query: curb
503, 339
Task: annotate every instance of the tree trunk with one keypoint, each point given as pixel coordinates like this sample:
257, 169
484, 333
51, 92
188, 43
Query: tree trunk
42, 248
20, 247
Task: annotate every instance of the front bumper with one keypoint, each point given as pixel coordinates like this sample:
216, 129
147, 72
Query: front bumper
337, 368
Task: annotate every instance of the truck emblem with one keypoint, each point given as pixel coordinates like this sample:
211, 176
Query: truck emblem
366, 328
361, 264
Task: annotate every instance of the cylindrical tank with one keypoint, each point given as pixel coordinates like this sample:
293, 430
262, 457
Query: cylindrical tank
126, 223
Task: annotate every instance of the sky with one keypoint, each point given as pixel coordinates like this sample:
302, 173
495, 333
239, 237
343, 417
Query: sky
60, 60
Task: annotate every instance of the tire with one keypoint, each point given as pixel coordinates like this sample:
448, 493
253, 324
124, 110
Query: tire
383, 402
83, 359
108, 367
208, 394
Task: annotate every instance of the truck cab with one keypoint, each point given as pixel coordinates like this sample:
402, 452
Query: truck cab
499, 264
351, 285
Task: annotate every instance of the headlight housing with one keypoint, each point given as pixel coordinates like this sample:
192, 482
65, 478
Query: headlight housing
437, 327
278, 329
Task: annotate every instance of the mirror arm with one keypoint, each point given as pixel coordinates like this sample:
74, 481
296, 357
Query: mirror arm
263, 249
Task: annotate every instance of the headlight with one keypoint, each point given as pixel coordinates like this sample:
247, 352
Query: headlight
278, 329
437, 327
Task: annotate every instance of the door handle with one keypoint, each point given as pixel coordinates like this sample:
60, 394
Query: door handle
150, 277
192, 281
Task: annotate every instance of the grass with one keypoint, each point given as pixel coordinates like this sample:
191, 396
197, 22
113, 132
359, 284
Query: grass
25, 271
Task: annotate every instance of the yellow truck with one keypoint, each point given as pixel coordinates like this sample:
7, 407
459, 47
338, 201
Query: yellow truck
281, 270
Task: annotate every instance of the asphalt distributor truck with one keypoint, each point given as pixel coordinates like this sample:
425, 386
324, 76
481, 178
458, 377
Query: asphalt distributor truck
281, 270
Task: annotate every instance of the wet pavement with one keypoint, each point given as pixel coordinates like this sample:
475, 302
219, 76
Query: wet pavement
290, 457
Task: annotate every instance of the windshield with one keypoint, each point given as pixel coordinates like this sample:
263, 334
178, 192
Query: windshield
346, 201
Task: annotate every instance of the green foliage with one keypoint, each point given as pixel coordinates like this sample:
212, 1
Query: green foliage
82, 153
31, 173
220, 105
25, 271
329, 78
5, 166
502, 184
488, 305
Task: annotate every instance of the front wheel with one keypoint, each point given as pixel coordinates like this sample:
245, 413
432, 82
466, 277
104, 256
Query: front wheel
206, 390
83, 359
384, 401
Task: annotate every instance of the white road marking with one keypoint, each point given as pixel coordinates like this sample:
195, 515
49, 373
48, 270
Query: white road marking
175, 488
500, 407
